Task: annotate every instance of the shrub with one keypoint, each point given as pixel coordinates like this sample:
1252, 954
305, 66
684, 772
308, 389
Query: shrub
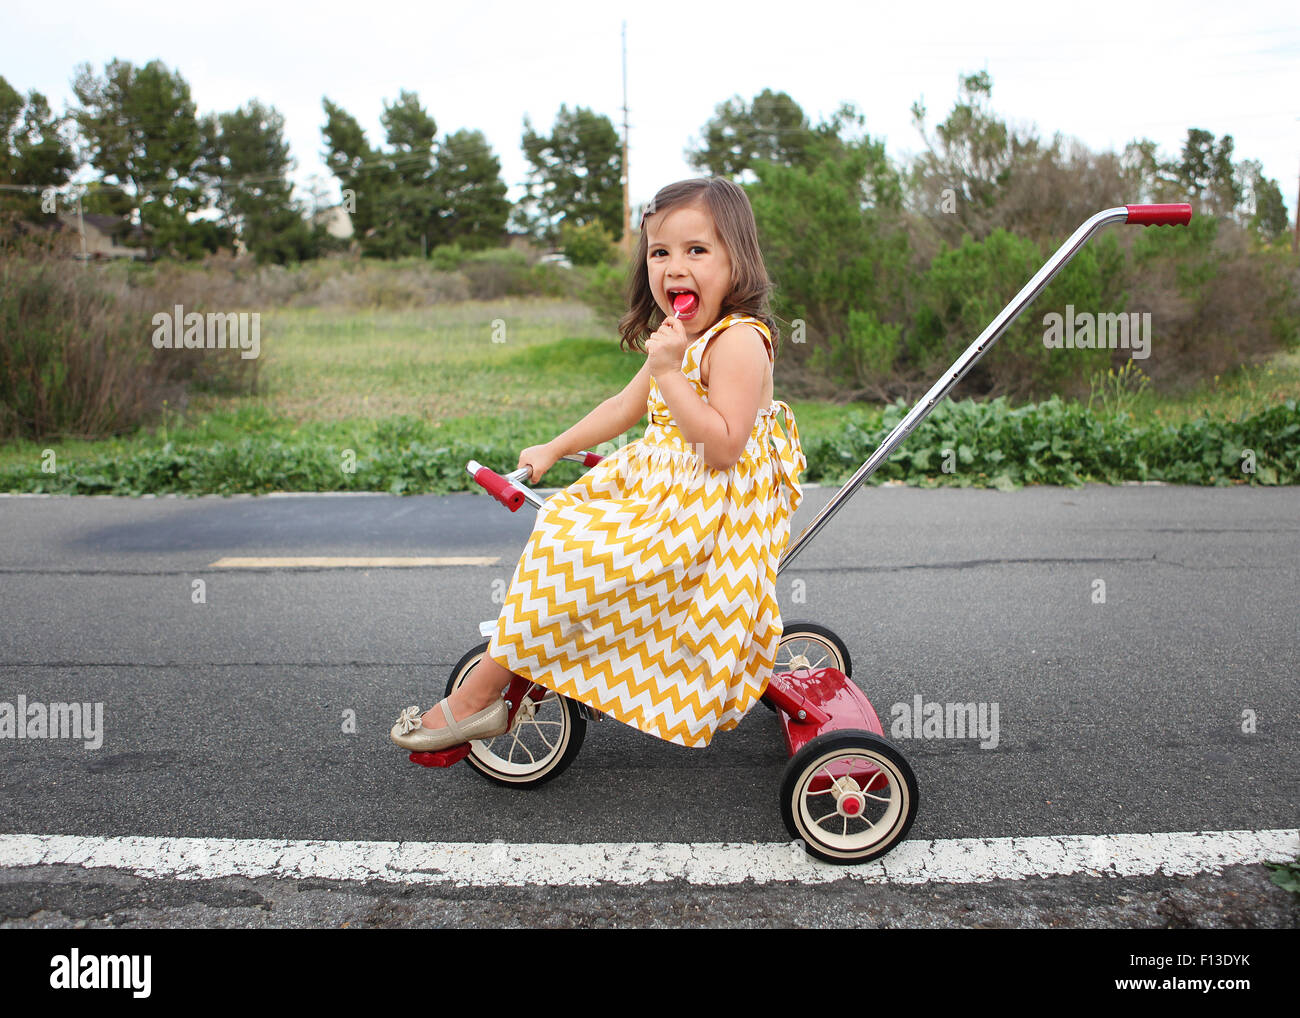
446, 257
495, 273
76, 351
604, 291
588, 244
965, 289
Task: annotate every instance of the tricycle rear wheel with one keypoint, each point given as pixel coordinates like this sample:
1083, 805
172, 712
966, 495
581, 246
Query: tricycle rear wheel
849, 795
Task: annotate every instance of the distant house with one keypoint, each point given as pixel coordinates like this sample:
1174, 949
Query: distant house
336, 221
106, 235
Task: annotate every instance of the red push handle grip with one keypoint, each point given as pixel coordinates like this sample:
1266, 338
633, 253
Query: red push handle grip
1159, 215
499, 488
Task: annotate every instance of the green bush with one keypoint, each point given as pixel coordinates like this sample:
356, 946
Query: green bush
447, 257
865, 353
555, 281
588, 244
963, 444
604, 291
968, 286
990, 444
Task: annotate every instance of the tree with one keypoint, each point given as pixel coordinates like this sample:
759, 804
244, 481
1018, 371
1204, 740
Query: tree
363, 175
408, 207
577, 175
957, 181
34, 154
247, 163
468, 180
831, 237
418, 193
1262, 208
411, 132
771, 129
1206, 172
143, 135
1148, 178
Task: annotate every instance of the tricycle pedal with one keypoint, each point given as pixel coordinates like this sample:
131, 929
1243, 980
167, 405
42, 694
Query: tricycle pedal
443, 757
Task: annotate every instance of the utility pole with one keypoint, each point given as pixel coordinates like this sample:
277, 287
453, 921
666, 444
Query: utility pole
81, 226
626, 240
1295, 237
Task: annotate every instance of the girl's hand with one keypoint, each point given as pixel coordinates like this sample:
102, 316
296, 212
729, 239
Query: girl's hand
666, 348
540, 458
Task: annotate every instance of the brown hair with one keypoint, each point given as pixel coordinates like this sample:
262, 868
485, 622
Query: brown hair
733, 220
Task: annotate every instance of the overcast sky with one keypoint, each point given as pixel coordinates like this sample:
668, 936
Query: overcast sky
1103, 72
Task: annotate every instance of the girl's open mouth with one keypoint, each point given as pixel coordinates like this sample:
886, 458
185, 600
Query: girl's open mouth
685, 303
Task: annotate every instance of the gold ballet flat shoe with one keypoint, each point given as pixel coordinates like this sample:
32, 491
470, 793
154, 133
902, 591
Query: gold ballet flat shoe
410, 733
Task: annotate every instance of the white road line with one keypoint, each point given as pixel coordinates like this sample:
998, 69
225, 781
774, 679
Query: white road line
352, 562
963, 861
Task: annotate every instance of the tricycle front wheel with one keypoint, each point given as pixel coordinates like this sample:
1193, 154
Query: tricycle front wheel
812, 646
547, 734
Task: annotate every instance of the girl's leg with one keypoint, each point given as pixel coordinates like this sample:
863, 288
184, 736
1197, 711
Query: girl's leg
481, 688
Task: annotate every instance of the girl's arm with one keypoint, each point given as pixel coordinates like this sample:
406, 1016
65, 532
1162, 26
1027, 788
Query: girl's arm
721, 427
607, 422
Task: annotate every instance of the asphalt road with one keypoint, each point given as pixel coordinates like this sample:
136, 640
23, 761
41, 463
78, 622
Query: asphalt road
227, 718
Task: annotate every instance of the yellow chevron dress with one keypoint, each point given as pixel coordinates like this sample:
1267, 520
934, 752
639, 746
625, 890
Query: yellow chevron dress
647, 589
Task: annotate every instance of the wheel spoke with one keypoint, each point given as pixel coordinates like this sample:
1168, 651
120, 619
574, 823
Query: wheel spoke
550, 746
811, 649
870, 797
533, 725
517, 742
534, 745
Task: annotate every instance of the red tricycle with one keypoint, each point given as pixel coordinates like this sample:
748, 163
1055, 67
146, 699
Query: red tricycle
847, 793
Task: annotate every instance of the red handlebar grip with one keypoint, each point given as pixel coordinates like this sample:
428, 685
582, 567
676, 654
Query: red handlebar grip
590, 459
1159, 215
500, 489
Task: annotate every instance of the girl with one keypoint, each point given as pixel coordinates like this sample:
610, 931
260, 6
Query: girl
647, 589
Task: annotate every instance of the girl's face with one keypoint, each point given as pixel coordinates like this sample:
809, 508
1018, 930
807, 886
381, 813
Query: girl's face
684, 254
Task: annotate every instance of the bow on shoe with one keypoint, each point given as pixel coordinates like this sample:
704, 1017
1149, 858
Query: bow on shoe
409, 719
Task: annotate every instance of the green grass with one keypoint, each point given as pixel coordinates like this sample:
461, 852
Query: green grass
453, 361
414, 393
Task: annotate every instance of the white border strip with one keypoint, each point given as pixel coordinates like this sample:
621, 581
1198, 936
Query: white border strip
961, 861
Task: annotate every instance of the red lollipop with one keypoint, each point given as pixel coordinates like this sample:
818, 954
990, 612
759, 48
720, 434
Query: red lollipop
684, 304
